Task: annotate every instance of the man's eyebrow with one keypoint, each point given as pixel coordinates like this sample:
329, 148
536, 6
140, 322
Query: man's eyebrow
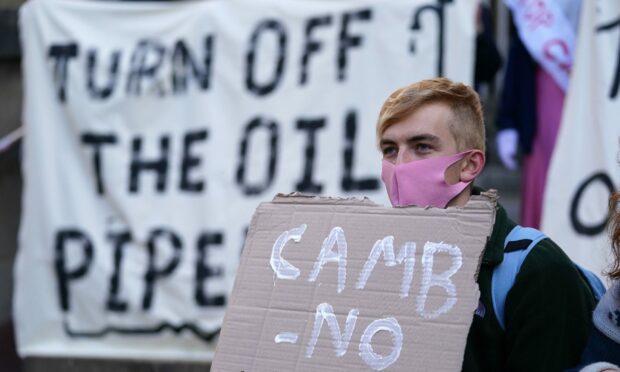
386, 141
416, 138
423, 137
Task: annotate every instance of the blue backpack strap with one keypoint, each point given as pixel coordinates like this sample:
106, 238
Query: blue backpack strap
505, 274
596, 284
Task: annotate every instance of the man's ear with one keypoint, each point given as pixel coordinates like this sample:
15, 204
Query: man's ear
472, 165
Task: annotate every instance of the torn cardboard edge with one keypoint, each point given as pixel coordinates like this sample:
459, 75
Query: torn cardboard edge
301, 198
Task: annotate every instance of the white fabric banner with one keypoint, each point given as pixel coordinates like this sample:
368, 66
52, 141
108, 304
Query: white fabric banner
584, 169
153, 130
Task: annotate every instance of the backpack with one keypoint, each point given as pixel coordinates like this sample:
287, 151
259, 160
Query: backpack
505, 274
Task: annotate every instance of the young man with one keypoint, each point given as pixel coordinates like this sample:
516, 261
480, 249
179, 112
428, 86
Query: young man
432, 137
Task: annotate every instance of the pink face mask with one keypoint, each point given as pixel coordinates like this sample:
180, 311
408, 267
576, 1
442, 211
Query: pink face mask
422, 182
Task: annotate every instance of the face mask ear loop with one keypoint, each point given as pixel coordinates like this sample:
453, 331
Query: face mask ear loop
465, 155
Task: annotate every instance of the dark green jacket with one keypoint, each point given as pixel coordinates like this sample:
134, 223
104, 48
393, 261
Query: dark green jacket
548, 311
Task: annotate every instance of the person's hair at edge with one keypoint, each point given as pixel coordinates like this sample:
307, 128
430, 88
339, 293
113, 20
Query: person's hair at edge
467, 124
614, 226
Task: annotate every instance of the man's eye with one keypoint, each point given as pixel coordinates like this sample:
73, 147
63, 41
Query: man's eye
388, 151
423, 147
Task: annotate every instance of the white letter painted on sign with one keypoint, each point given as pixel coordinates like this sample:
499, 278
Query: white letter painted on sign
340, 341
372, 359
386, 246
441, 280
336, 236
286, 337
281, 267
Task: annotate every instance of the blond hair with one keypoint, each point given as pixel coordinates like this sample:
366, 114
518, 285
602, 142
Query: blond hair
467, 124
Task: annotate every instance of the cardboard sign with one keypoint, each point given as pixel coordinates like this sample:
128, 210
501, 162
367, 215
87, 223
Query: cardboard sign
335, 284
584, 170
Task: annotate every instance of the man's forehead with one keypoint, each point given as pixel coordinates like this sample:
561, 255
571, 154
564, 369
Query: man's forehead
432, 120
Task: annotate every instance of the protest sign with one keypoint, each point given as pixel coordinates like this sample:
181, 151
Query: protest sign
584, 168
336, 284
154, 129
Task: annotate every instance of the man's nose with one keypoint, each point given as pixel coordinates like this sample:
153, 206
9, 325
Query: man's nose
403, 157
